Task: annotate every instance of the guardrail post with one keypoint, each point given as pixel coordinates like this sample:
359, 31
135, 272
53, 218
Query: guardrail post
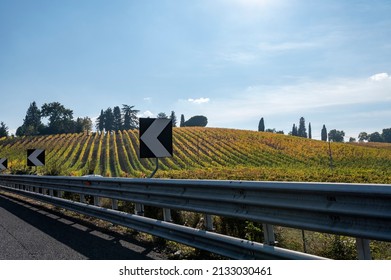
51, 192
96, 200
114, 204
304, 241
363, 250
167, 215
139, 209
268, 233
208, 222
82, 198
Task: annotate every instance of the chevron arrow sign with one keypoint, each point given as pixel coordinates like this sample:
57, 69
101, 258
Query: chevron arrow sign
3, 164
155, 138
35, 157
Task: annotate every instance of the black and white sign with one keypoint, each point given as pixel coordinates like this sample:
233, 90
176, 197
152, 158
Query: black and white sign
3, 164
155, 138
35, 157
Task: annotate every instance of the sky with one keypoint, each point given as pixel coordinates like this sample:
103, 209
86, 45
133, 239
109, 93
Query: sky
233, 61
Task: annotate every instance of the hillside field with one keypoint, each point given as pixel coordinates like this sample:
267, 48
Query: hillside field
205, 153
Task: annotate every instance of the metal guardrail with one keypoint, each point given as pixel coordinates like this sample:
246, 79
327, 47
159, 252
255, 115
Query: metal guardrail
217, 243
358, 210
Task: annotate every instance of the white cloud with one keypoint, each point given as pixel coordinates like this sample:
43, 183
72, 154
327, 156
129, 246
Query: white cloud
251, 53
146, 114
380, 77
305, 98
198, 100
147, 99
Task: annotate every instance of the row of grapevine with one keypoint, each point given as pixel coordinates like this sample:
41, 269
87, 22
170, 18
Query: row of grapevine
202, 151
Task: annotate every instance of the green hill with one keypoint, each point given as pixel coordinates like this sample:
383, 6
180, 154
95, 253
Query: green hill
205, 153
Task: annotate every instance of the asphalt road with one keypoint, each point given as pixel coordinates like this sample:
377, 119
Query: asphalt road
30, 232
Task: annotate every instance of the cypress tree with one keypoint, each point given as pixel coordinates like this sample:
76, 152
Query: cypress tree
261, 125
309, 131
173, 119
324, 133
302, 131
182, 123
100, 121
117, 124
109, 120
294, 130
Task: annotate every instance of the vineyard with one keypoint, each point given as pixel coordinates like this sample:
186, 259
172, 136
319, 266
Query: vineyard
212, 153
204, 153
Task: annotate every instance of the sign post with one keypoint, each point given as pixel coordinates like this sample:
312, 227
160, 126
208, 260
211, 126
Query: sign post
155, 138
3, 164
155, 142
35, 157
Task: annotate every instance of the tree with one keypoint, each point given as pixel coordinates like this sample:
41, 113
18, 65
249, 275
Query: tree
117, 121
100, 121
182, 123
197, 121
109, 120
363, 136
3, 130
301, 132
60, 118
130, 117
83, 124
324, 133
309, 131
261, 125
294, 130
162, 116
32, 124
375, 137
173, 119
352, 139
386, 135
336, 135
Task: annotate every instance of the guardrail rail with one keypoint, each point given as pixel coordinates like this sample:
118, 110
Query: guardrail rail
359, 210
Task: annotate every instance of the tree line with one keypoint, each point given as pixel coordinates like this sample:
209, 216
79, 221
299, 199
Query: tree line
60, 120
299, 131
333, 135
126, 118
117, 119
385, 136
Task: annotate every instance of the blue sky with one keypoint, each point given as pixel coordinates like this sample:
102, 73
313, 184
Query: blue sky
233, 61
